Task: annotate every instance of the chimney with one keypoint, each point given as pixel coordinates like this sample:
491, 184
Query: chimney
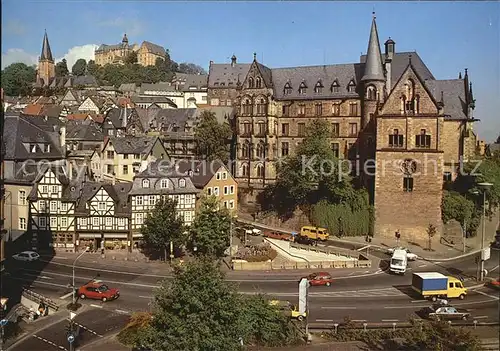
233, 61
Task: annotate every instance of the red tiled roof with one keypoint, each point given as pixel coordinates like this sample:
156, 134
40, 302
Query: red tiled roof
33, 109
77, 116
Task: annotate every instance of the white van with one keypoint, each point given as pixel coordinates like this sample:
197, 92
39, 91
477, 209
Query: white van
399, 261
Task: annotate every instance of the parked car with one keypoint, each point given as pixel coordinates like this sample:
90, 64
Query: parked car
439, 312
27, 256
253, 231
495, 284
409, 255
97, 290
319, 278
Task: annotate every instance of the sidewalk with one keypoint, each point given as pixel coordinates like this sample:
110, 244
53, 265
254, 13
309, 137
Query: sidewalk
440, 250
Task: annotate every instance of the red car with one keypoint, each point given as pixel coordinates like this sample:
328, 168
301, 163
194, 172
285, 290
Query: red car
319, 278
98, 291
495, 284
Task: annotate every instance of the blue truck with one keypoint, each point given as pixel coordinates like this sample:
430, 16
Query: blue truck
434, 285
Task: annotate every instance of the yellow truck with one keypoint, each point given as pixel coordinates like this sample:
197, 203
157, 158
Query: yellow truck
315, 233
434, 285
288, 308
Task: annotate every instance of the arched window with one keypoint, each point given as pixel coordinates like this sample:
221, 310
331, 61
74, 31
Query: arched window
261, 150
261, 107
182, 183
245, 150
410, 104
258, 83
145, 183
244, 170
371, 93
247, 107
260, 170
250, 82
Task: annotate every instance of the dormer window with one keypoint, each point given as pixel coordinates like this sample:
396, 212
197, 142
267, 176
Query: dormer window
318, 89
302, 88
145, 183
182, 183
251, 83
164, 184
258, 83
351, 87
288, 89
32, 147
335, 86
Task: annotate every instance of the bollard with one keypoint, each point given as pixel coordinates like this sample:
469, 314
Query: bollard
475, 324
394, 326
364, 326
336, 326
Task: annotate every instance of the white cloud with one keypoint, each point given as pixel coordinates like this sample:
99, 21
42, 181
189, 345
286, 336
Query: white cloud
18, 55
77, 52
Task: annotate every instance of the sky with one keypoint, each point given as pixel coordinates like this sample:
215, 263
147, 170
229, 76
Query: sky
448, 36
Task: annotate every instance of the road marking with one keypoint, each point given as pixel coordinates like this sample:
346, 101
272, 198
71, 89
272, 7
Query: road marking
122, 311
494, 268
97, 306
352, 273
419, 301
390, 320
358, 320
337, 308
324, 320
480, 317
50, 342
66, 296
145, 297
87, 329
485, 294
422, 265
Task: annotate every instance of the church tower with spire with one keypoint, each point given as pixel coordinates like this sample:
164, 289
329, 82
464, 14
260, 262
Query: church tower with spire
46, 65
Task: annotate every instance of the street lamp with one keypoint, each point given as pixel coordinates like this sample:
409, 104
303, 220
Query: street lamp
484, 186
74, 263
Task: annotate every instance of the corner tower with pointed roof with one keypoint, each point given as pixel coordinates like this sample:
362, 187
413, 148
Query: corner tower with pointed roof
373, 76
46, 65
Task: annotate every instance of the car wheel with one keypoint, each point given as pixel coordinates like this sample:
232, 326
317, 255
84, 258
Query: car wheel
464, 318
434, 298
461, 297
300, 318
328, 284
82, 296
104, 299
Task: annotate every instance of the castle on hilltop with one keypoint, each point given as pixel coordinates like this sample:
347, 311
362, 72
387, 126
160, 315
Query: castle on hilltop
147, 53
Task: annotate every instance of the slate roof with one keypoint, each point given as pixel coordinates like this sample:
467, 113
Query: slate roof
453, 96
136, 145
228, 74
156, 87
118, 192
127, 87
153, 99
46, 52
83, 131
160, 170
197, 81
119, 117
202, 171
20, 131
311, 75
374, 70
154, 49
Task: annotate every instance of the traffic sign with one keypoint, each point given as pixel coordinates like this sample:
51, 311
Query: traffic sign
486, 254
71, 338
4, 322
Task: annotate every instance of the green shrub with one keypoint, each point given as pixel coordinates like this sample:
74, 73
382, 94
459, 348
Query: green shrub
341, 218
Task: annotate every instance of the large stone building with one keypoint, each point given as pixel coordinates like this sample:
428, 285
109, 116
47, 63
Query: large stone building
389, 109
147, 53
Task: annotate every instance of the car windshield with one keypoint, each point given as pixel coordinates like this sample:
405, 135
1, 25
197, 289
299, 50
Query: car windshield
312, 276
103, 288
396, 262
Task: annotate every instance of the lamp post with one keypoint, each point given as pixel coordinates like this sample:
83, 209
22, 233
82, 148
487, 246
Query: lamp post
484, 186
74, 263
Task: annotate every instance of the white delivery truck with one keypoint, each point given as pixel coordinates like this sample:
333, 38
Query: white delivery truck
399, 261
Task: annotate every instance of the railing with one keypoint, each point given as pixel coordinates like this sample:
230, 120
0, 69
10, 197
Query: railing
33, 296
326, 250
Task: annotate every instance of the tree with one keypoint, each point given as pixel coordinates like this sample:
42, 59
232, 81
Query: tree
131, 58
79, 68
92, 68
212, 138
191, 68
460, 208
211, 227
131, 335
163, 225
431, 231
17, 79
62, 68
197, 310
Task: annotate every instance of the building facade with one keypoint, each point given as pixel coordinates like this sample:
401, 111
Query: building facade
387, 109
147, 53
